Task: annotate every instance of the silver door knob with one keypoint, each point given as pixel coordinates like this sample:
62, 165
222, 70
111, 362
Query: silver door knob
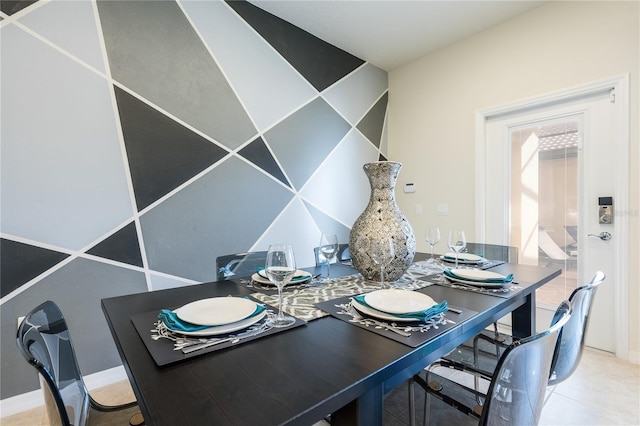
604, 236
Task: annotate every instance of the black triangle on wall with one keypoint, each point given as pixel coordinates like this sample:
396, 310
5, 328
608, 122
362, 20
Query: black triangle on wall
23, 262
321, 63
258, 153
123, 246
12, 6
162, 153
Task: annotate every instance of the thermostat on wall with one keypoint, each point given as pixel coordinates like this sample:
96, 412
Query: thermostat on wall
409, 187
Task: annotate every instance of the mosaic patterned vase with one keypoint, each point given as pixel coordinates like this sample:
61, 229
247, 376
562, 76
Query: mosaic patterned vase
382, 218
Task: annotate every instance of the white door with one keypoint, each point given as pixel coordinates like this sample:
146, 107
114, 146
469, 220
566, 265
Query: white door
543, 168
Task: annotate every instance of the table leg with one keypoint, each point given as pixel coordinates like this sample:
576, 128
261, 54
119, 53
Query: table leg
366, 410
524, 318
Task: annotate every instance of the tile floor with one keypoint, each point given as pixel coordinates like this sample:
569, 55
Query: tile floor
603, 391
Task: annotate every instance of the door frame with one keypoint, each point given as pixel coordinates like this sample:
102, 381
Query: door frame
620, 85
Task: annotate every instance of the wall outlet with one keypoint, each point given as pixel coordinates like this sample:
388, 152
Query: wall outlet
418, 208
442, 209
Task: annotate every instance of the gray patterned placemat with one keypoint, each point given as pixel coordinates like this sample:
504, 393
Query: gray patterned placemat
301, 302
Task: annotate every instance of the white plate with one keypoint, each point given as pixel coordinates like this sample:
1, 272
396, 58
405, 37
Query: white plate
476, 274
395, 301
216, 310
472, 272
227, 328
463, 258
377, 314
261, 277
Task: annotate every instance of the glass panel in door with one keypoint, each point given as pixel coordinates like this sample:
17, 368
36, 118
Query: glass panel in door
544, 200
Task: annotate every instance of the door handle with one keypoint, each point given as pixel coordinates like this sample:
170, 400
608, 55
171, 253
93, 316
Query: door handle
604, 236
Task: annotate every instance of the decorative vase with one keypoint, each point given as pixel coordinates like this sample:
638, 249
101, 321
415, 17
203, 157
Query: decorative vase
382, 219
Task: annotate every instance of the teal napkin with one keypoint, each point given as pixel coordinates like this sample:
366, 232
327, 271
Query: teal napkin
173, 323
504, 280
418, 316
302, 277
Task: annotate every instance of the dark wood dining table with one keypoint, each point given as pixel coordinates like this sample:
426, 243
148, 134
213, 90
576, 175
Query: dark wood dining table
301, 375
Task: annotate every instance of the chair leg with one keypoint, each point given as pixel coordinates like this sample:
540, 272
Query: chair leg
412, 408
136, 420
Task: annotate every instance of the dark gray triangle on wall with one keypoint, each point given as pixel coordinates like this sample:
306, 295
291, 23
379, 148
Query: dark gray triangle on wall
258, 153
372, 123
22, 262
162, 153
12, 6
321, 63
382, 158
123, 246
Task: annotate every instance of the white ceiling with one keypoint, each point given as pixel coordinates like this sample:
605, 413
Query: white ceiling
392, 33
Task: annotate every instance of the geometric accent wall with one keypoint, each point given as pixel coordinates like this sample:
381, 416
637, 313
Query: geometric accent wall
142, 139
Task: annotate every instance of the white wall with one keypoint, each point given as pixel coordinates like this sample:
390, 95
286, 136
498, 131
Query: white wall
433, 102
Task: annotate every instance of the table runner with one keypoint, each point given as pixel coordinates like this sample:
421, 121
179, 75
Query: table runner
301, 303
420, 333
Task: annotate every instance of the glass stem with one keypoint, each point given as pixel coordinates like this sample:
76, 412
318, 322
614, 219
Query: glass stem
431, 252
280, 314
382, 276
328, 269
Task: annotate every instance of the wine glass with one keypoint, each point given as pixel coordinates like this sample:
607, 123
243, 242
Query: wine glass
457, 242
328, 248
433, 238
280, 267
382, 252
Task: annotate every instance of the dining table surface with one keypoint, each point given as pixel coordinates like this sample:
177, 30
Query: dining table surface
298, 376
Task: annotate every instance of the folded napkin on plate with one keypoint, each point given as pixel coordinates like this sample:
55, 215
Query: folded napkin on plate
418, 315
300, 277
505, 280
173, 323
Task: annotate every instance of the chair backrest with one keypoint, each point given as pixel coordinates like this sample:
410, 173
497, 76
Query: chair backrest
44, 341
516, 393
343, 255
239, 264
571, 341
494, 252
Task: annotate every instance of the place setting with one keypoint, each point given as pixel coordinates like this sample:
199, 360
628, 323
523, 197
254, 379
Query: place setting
407, 316
300, 279
204, 326
479, 280
217, 323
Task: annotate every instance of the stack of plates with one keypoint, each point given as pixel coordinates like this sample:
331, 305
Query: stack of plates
222, 314
299, 277
478, 278
391, 304
466, 258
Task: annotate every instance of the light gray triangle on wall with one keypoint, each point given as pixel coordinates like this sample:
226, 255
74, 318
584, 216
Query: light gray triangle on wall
354, 95
267, 84
63, 174
302, 141
71, 25
343, 170
329, 225
154, 51
222, 212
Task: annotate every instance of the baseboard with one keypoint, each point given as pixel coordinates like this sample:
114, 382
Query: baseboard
634, 357
30, 400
